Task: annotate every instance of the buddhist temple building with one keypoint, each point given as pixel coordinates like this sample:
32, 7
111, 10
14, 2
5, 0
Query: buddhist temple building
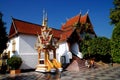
40, 44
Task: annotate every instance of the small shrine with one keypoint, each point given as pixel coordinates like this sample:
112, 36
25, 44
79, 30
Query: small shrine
46, 49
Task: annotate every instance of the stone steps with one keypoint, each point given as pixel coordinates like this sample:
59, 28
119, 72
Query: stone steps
77, 64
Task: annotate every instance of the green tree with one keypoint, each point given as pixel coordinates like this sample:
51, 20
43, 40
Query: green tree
115, 40
100, 47
3, 35
84, 45
115, 12
115, 44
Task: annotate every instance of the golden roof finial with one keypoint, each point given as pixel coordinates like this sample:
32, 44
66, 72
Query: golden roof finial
80, 12
45, 19
87, 11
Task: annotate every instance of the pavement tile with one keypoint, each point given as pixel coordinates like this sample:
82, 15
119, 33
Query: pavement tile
102, 73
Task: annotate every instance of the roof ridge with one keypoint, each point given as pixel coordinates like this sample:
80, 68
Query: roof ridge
75, 16
85, 15
32, 23
56, 29
25, 21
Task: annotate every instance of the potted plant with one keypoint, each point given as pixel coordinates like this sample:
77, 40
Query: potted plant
14, 63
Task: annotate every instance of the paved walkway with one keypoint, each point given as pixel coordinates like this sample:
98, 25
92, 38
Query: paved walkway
103, 73
111, 73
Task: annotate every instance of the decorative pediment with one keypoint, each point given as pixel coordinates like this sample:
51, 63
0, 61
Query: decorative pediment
44, 39
12, 30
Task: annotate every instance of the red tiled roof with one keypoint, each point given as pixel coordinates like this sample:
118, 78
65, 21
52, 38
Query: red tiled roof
19, 26
56, 33
68, 27
66, 34
70, 22
83, 19
76, 19
28, 28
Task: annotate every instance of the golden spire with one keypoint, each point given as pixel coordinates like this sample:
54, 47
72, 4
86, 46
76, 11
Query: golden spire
45, 19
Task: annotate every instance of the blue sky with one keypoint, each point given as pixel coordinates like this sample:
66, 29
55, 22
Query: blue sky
58, 11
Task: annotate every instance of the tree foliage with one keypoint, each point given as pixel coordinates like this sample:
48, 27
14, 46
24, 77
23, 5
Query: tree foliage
14, 62
99, 48
85, 44
115, 40
100, 45
115, 12
3, 35
115, 43
116, 32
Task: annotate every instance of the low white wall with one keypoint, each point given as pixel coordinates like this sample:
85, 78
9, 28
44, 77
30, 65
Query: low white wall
63, 50
75, 50
30, 61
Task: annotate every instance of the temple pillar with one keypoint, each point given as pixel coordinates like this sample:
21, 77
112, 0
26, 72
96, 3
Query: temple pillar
46, 55
54, 54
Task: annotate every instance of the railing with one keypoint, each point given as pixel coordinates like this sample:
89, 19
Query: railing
56, 63
50, 65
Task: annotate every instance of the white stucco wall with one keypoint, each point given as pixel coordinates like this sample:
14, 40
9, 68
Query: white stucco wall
9, 45
27, 43
27, 51
63, 50
24, 46
75, 50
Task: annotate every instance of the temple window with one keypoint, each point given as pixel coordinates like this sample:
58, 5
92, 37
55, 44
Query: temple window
41, 62
63, 59
13, 45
